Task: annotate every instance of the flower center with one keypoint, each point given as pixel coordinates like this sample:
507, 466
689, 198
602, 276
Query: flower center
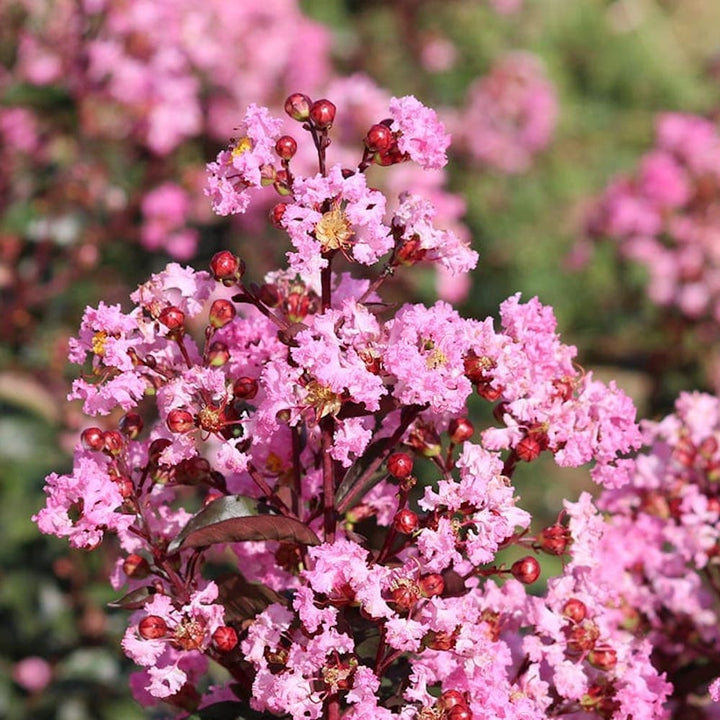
333, 231
241, 146
98, 343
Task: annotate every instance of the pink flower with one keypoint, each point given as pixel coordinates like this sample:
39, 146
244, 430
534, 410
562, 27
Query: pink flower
422, 135
32, 673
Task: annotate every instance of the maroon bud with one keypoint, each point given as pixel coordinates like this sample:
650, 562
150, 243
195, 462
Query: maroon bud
225, 638
157, 447
226, 266
131, 425
286, 147
180, 421
269, 294
459, 712
245, 388
405, 597
575, 610
528, 448
322, 113
526, 570
93, 438
400, 465
450, 699
391, 156
406, 521
440, 640
603, 658
460, 429
276, 215
379, 138
125, 486
218, 354
489, 392
554, 539
113, 442
136, 566
221, 313
173, 318
582, 637
431, 585
152, 627
297, 106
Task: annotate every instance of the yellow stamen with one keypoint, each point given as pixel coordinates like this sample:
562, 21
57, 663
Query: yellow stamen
333, 231
322, 398
241, 146
98, 343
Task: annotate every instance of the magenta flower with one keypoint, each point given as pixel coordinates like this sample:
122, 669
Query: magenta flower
421, 135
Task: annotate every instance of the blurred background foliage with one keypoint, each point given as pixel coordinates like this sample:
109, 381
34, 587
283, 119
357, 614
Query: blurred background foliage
615, 65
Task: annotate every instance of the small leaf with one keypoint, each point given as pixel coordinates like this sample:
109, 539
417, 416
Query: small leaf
235, 518
227, 710
243, 600
135, 599
454, 584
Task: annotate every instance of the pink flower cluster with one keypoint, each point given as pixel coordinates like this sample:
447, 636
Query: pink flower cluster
284, 427
666, 216
661, 548
510, 113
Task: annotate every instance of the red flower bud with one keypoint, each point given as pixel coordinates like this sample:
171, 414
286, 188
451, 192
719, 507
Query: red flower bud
526, 570
218, 354
152, 627
450, 699
405, 597
221, 313
431, 585
131, 425
245, 388
173, 318
528, 448
225, 638
286, 147
406, 521
297, 106
93, 438
226, 266
136, 566
459, 712
125, 486
400, 465
180, 421
379, 138
575, 610
582, 637
322, 113
113, 442
276, 215
554, 539
460, 429
603, 658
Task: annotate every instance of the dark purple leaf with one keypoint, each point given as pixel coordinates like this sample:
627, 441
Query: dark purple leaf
135, 599
243, 600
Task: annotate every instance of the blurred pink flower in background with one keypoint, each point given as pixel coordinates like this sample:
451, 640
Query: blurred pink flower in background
32, 673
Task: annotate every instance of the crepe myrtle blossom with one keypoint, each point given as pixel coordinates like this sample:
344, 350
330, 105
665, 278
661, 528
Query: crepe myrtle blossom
278, 429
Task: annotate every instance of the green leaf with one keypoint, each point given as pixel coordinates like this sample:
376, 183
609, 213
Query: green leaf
235, 518
135, 599
243, 600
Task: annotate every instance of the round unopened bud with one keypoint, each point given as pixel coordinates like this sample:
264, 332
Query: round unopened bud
93, 438
526, 570
152, 627
131, 425
528, 448
225, 638
554, 539
575, 610
225, 266
173, 318
180, 421
322, 113
431, 585
276, 215
460, 429
113, 442
245, 388
406, 521
459, 712
379, 138
450, 699
221, 313
136, 566
400, 465
157, 447
286, 147
603, 658
125, 486
297, 106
